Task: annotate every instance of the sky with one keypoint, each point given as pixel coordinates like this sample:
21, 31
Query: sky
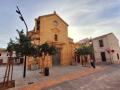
86, 18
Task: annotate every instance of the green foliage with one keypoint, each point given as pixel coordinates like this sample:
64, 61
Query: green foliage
44, 48
22, 45
10, 46
47, 49
84, 50
33, 51
52, 50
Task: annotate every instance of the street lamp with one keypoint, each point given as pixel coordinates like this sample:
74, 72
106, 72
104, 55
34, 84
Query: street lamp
23, 20
91, 43
92, 57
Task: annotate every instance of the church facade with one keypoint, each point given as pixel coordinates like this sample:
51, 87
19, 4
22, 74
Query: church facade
53, 29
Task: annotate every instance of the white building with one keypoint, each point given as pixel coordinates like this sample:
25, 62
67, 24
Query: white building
3, 56
106, 48
85, 41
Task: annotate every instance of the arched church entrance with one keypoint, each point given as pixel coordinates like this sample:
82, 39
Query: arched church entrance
56, 58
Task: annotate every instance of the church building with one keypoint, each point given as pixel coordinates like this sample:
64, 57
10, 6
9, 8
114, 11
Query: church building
53, 29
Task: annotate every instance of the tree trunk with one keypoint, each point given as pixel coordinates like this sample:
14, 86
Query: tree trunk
82, 59
42, 68
24, 72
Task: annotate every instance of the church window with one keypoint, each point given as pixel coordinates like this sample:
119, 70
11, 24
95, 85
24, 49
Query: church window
56, 37
101, 43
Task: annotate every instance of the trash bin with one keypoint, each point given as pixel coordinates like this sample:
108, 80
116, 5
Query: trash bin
46, 72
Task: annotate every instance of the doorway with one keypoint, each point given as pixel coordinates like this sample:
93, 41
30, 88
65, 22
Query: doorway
56, 58
103, 56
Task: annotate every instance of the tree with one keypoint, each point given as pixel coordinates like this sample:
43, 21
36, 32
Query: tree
84, 51
22, 46
11, 46
46, 49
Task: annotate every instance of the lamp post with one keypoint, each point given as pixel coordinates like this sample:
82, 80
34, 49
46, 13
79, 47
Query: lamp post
92, 57
91, 43
23, 20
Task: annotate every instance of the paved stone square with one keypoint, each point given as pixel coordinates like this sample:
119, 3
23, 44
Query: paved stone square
35, 76
108, 79
60, 78
104, 77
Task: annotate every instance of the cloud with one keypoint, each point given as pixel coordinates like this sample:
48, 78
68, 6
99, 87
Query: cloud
86, 18
94, 18
90, 12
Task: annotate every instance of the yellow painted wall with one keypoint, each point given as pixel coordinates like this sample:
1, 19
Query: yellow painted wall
48, 28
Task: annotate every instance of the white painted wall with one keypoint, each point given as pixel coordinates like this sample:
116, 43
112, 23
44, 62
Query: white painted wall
4, 57
110, 41
113, 42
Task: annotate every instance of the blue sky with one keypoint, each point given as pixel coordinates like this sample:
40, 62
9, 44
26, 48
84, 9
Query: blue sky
86, 18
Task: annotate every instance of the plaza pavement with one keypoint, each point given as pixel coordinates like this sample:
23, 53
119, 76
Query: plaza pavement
58, 75
107, 79
35, 76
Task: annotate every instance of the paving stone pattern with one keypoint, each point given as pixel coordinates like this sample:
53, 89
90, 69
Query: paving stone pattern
108, 79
